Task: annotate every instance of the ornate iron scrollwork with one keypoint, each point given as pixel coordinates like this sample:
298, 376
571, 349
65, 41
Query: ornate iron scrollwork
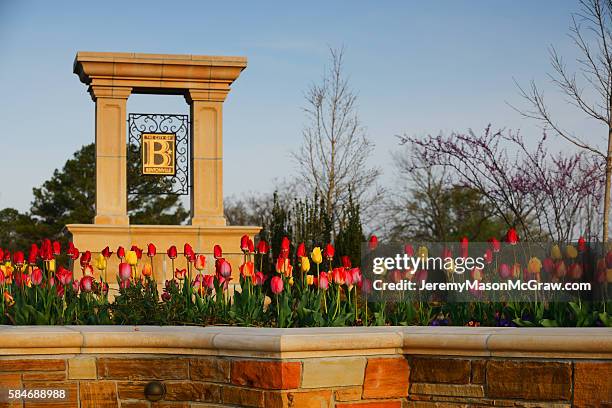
139, 123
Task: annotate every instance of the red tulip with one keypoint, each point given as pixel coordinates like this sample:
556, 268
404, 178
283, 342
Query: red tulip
447, 254
137, 250
504, 271
575, 271
277, 285
85, 259
125, 271
262, 247
86, 283
166, 297
464, 244
301, 250
373, 242
106, 252
395, 276
323, 282
217, 252
488, 256
346, 261
104, 288
46, 250
548, 265
36, 277
7, 255
251, 246
18, 258
1, 254
259, 279
284, 248
121, 253
33, 255
560, 269
223, 268
244, 243
581, 244
180, 273
172, 252
88, 270
124, 284
200, 262
409, 250
76, 285
57, 248
209, 281
355, 274
495, 245
188, 251
247, 269
512, 236
74, 254
330, 251
64, 276
151, 250
339, 276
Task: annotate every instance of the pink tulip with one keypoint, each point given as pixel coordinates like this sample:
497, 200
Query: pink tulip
124, 284
76, 285
277, 285
224, 268
125, 271
323, 281
504, 271
258, 279
64, 276
86, 283
36, 276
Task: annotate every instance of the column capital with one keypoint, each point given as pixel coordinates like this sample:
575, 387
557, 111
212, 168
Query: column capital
208, 95
113, 92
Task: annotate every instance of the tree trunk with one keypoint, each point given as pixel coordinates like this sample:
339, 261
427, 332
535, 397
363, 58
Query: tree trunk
606, 209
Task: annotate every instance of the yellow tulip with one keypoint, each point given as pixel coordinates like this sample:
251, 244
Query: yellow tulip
316, 255
309, 280
571, 251
100, 262
51, 265
555, 252
305, 264
609, 275
131, 258
291, 281
147, 270
422, 253
534, 265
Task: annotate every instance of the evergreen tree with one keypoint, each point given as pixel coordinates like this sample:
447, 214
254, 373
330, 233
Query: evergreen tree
350, 236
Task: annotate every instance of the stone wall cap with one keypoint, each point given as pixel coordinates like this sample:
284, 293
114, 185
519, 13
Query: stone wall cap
309, 342
143, 58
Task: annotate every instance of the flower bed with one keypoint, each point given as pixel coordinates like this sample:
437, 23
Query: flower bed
295, 288
365, 367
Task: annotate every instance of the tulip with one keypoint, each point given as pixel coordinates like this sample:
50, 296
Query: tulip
8, 299
560, 269
85, 259
86, 283
188, 252
534, 266
609, 260
57, 248
464, 245
323, 281
64, 275
131, 258
200, 262
581, 244
477, 274
124, 284
88, 270
309, 280
258, 279
106, 252
104, 288
488, 256
516, 270
7, 256
151, 250
304, 264
208, 281
571, 252
76, 284
1, 277
504, 271
575, 271
37, 276
447, 254
166, 297
283, 266
1, 254
316, 256
125, 271
495, 244
330, 251
217, 252
147, 270
121, 253
355, 274
244, 243
346, 261
301, 250
423, 253
247, 269
395, 276
512, 236
284, 248
372, 242
18, 258
339, 276
251, 246
33, 255
51, 265
276, 284
409, 250
224, 268
172, 252
180, 273
548, 265
137, 250
555, 252
100, 262
262, 247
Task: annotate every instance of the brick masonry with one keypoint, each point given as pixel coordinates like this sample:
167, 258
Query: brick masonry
101, 381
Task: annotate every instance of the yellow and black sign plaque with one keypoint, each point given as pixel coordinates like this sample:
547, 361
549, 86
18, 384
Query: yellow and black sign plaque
159, 154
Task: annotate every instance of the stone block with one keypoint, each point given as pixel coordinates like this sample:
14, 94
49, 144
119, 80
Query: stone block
143, 368
531, 380
33, 364
371, 404
266, 374
478, 371
192, 391
348, 394
452, 390
592, 384
298, 399
440, 370
209, 369
386, 378
333, 372
44, 376
95, 394
242, 396
82, 368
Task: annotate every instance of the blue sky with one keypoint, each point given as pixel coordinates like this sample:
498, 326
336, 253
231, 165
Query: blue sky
419, 67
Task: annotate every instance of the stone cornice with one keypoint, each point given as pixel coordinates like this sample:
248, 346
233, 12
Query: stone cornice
211, 76
309, 342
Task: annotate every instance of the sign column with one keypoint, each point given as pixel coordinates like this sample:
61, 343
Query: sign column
111, 164
206, 157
